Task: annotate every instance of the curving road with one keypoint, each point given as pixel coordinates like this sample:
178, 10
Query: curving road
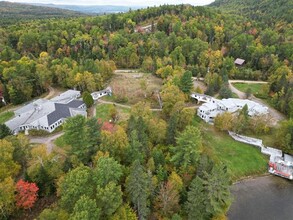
276, 115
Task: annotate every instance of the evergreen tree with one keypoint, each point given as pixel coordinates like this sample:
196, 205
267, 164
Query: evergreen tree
137, 187
75, 136
93, 135
135, 148
186, 83
4, 131
87, 99
188, 148
195, 205
172, 129
217, 190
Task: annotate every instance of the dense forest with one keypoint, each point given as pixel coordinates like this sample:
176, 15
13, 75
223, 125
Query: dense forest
11, 13
151, 166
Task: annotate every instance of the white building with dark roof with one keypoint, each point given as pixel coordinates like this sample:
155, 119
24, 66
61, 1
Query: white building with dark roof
47, 115
212, 107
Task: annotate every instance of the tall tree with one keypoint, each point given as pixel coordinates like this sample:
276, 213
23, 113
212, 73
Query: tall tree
75, 136
7, 197
188, 148
167, 201
186, 83
85, 208
195, 205
217, 185
107, 170
109, 198
4, 131
172, 129
137, 187
76, 183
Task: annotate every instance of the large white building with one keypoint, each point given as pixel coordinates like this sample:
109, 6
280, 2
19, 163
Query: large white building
212, 107
47, 115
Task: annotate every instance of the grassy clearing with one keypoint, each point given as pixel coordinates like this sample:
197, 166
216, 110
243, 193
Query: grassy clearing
5, 116
241, 159
132, 87
103, 112
256, 89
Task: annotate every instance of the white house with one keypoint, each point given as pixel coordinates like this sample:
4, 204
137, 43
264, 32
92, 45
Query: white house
47, 115
212, 107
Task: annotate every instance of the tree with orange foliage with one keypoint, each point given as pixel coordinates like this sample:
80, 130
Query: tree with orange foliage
26, 194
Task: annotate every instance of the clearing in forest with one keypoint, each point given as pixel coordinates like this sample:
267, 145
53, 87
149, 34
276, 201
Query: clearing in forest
130, 87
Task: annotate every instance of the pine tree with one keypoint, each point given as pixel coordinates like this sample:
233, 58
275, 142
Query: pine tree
137, 186
188, 148
186, 83
217, 185
172, 129
195, 204
93, 135
4, 131
87, 99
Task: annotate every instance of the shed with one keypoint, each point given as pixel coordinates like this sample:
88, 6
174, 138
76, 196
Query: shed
239, 62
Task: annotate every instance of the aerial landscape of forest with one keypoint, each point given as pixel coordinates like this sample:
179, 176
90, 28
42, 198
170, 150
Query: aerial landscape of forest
155, 112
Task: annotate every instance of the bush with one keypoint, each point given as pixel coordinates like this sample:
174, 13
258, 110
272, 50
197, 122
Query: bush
35, 132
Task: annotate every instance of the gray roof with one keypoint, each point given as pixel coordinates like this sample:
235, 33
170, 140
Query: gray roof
31, 106
63, 111
239, 61
66, 97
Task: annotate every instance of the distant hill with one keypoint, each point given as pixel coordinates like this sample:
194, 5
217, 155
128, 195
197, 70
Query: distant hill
262, 10
92, 9
11, 13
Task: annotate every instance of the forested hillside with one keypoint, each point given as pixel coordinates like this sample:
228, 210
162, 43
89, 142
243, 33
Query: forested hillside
198, 39
11, 13
156, 163
268, 11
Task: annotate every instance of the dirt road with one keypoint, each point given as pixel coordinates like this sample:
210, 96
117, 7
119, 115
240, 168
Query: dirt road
276, 115
48, 141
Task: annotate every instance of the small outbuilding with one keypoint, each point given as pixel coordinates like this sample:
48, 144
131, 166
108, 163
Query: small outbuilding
239, 62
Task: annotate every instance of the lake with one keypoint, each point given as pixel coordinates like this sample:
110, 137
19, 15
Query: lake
268, 198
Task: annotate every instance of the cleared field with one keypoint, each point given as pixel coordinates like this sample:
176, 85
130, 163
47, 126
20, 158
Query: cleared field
5, 116
241, 159
256, 89
132, 87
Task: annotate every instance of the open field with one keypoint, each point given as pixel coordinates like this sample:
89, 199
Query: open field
132, 87
241, 159
5, 116
256, 89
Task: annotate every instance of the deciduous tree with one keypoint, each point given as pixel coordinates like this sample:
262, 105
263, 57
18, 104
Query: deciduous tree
26, 194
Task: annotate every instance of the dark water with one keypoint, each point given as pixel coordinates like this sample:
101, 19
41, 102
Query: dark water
263, 198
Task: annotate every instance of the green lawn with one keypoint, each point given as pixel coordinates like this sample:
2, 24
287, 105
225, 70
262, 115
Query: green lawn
5, 116
103, 111
256, 89
241, 159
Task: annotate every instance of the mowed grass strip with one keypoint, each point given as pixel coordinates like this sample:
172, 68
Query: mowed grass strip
5, 116
255, 88
241, 159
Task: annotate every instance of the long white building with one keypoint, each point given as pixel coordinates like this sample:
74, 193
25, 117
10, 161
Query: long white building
47, 115
212, 107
